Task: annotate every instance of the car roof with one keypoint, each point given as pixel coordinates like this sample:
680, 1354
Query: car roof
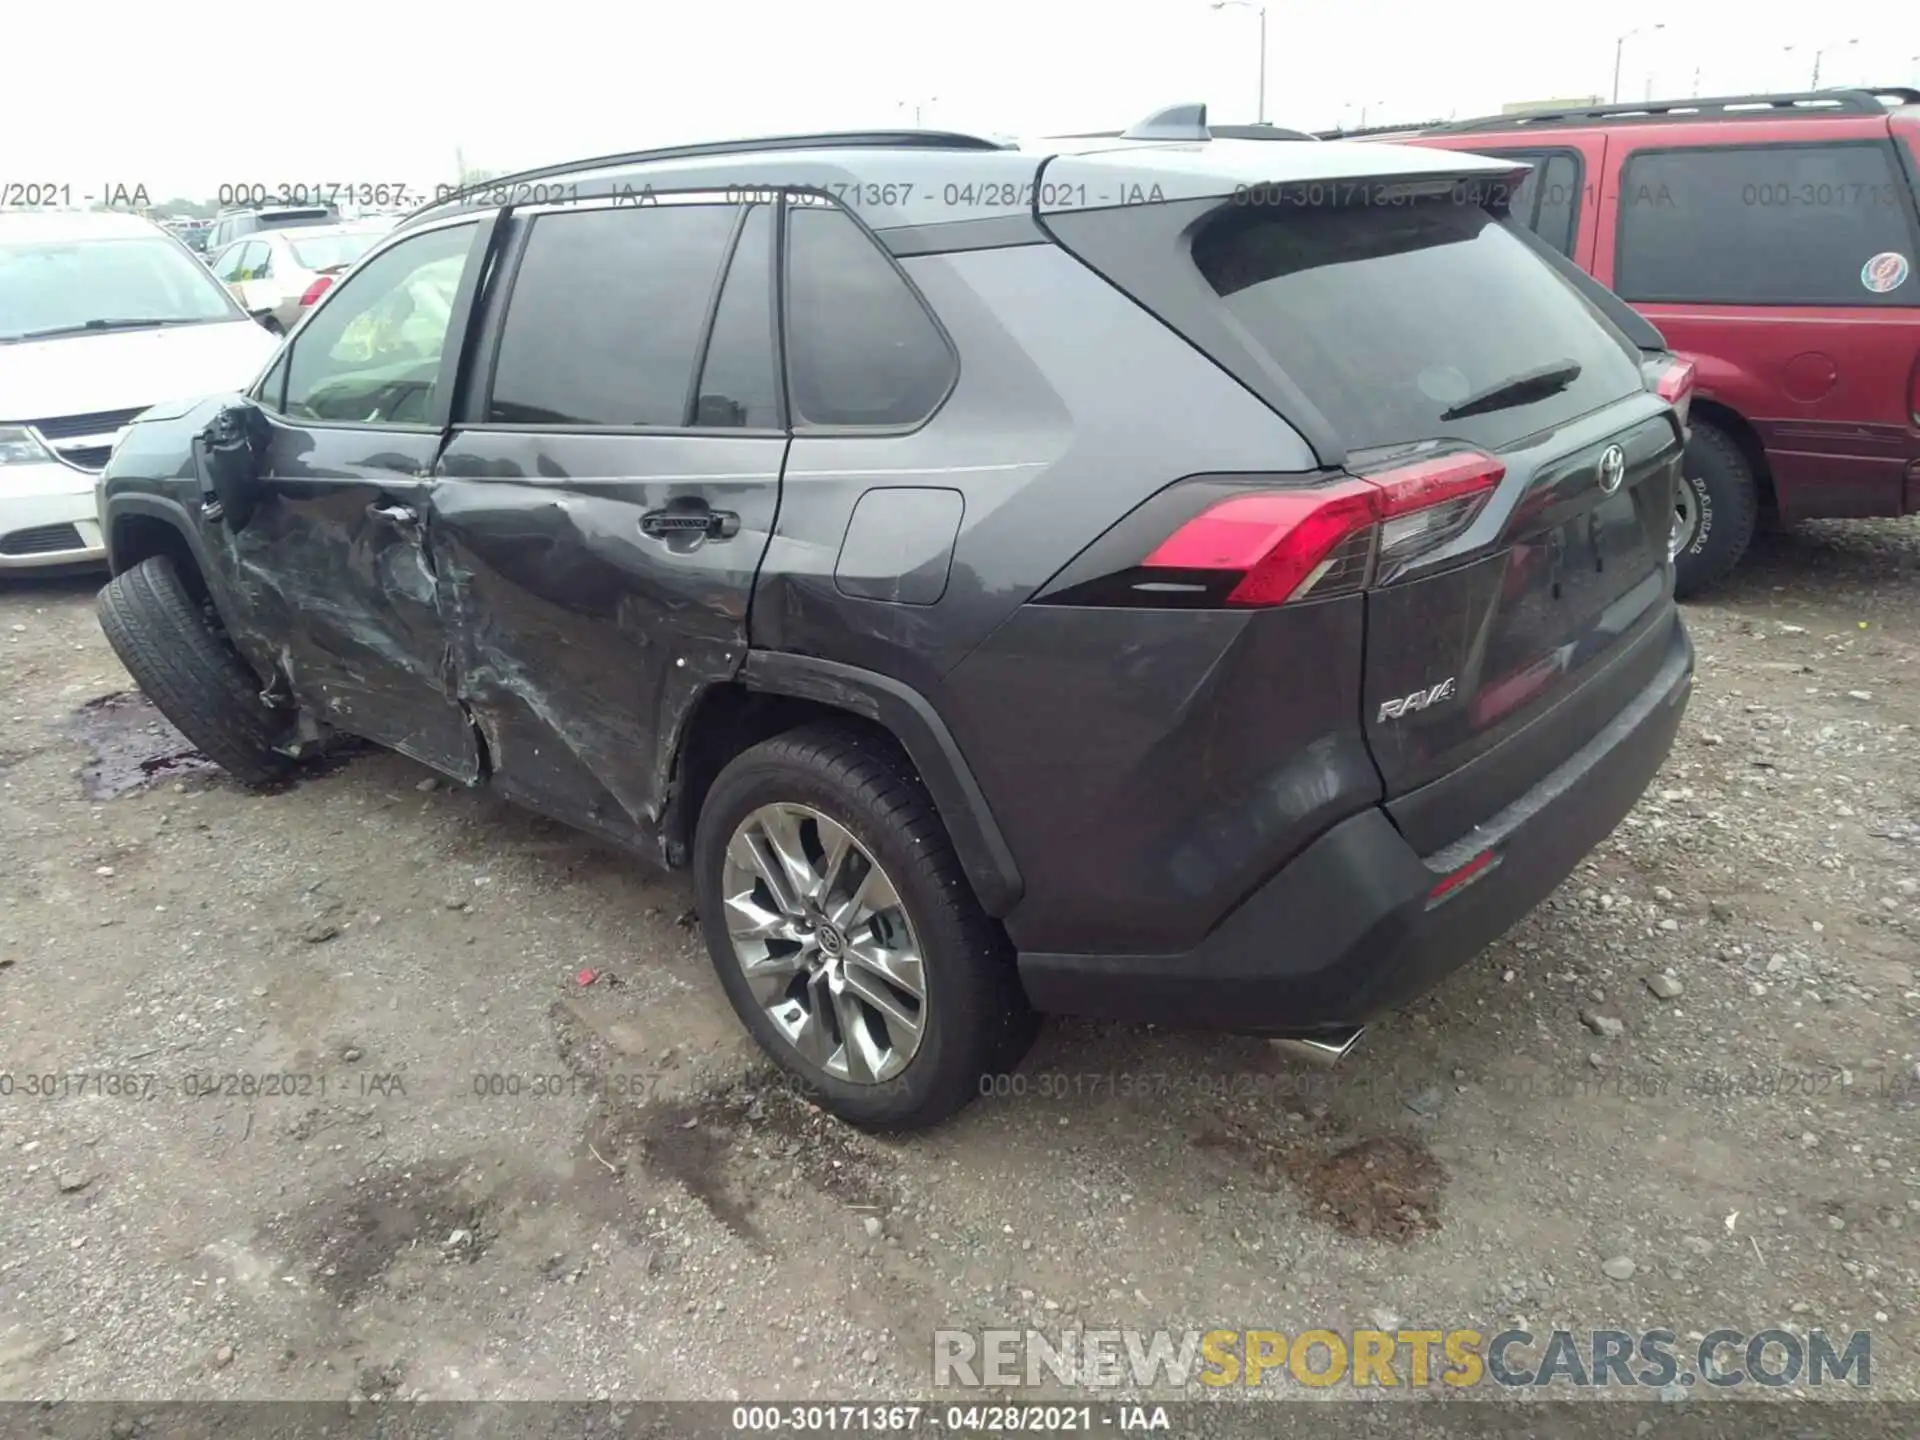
912, 179
58, 225
1782, 109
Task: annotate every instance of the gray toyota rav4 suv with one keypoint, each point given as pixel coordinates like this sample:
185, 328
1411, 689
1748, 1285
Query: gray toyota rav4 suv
1157, 576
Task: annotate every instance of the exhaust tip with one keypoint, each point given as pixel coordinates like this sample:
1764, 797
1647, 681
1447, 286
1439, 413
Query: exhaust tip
1325, 1049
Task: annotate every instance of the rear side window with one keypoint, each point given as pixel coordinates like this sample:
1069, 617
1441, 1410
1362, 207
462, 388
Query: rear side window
1413, 321
604, 321
1547, 202
1767, 225
861, 347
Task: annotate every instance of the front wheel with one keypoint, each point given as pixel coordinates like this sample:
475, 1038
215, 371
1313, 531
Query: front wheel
1715, 507
846, 935
192, 675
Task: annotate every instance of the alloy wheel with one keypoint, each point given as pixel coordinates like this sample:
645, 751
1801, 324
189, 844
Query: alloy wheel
1686, 519
825, 944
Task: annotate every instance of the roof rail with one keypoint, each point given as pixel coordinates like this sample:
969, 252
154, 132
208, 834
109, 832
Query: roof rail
1403, 128
1261, 131
828, 140
1797, 103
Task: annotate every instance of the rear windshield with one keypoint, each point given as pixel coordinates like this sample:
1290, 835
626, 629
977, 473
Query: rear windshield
1413, 321
331, 252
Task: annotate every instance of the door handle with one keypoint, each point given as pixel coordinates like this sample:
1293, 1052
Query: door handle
713, 524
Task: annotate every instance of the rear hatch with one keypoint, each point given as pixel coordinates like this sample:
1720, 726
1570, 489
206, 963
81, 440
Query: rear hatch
1409, 324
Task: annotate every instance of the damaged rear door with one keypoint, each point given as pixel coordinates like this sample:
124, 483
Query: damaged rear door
607, 495
331, 557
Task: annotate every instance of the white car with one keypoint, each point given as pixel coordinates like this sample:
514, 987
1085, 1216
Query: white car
281, 273
101, 316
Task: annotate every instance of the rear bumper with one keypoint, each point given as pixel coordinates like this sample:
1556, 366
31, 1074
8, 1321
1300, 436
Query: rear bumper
1346, 931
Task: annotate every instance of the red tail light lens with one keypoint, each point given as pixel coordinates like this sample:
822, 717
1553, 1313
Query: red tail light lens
1675, 386
1325, 540
1457, 880
314, 291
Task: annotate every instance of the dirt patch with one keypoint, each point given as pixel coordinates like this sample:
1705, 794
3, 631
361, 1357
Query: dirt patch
356, 1234
742, 1137
1387, 1187
133, 746
689, 1141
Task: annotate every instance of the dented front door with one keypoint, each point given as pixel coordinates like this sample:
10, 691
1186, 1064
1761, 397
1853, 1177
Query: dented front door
335, 561
331, 559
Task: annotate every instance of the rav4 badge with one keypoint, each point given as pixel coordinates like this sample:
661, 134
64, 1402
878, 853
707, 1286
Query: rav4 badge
1416, 702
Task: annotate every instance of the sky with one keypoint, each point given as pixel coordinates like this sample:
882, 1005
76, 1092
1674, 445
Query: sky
356, 92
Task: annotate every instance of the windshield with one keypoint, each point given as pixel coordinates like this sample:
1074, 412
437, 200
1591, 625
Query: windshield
329, 252
1418, 321
68, 284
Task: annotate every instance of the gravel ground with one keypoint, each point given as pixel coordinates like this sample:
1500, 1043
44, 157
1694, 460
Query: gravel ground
374, 1138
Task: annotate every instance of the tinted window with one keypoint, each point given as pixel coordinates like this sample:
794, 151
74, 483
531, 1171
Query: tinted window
862, 348
604, 323
1766, 225
58, 284
739, 384
1548, 200
371, 352
1390, 317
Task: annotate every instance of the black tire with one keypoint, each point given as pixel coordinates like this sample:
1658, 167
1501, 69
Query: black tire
192, 675
978, 1022
1721, 486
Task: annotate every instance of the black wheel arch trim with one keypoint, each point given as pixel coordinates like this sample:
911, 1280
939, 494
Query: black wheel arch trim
957, 795
174, 515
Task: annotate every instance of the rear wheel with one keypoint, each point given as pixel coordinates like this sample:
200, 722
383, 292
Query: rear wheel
1715, 507
845, 933
193, 676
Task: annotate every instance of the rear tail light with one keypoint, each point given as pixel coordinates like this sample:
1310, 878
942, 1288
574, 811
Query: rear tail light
1279, 546
314, 291
1675, 386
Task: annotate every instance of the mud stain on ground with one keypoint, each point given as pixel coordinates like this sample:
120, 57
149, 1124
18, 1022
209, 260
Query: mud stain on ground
723, 1138
1387, 1187
133, 746
351, 1237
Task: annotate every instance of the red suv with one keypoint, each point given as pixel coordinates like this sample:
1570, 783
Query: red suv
1773, 241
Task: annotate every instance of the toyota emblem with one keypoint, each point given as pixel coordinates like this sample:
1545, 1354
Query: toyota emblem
1613, 469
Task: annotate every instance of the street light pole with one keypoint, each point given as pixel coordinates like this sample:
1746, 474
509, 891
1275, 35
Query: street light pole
1818, 55
1619, 46
1260, 10
1260, 115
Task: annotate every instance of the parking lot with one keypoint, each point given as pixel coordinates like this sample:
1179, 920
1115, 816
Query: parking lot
377, 1088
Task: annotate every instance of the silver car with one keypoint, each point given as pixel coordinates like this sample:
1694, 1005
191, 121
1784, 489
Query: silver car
277, 274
